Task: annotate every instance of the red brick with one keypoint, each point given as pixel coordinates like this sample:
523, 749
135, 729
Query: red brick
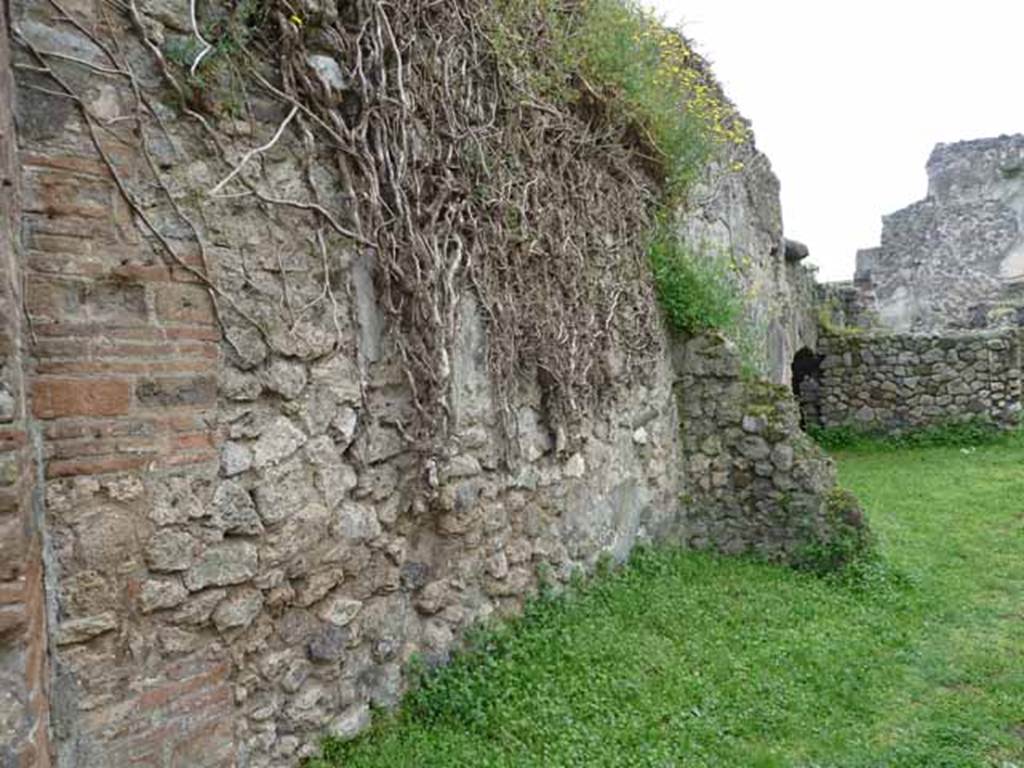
101, 347
12, 439
59, 195
164, 694
103, 330
136, 446
216, 698
142, 272
188, 442
98, 230
13, 619
67, 300
199, 334
185, 459
72, 467
66, 264
73, 163
52, 398
12, 591
181, 422
100, 428
68, 245
120, 366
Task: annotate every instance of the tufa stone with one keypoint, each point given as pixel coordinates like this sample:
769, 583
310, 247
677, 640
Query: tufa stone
231, 562
279, 441
238, 610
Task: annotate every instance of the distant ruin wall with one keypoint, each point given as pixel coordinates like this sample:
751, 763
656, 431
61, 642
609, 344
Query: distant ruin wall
956, 258
891, 382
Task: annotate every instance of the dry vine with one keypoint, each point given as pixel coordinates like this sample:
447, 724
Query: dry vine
467, 181
458, 177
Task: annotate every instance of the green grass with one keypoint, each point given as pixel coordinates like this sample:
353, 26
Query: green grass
688, 659
967, 434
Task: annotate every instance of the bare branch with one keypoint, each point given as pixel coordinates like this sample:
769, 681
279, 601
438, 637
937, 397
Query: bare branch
255, 151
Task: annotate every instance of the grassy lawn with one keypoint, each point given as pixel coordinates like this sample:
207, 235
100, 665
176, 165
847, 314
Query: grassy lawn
686, 659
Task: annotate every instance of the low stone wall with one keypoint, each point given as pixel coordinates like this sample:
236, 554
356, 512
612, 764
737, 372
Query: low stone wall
891, 382
757, 482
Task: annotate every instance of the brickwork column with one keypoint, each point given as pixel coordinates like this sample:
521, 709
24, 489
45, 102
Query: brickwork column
110, 354
23, 700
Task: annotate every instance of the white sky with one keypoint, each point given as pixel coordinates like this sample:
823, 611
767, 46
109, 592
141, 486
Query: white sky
847, 99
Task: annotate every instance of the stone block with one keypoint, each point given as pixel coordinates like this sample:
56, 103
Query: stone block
231, 562
184, 303
279, 441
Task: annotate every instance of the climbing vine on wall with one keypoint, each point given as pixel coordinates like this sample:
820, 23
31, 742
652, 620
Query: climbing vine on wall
518, 151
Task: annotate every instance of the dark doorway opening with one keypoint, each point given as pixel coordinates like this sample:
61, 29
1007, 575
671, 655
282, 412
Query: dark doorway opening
807, 385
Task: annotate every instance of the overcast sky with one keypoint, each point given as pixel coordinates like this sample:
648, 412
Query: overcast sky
848, 98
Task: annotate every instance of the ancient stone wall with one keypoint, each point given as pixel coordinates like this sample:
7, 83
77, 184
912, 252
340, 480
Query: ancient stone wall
956, 258
892, 382
736, 214
757, 483
241, 557
243, 543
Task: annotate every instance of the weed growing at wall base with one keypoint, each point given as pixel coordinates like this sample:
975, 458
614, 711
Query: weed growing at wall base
968, 434
846, 540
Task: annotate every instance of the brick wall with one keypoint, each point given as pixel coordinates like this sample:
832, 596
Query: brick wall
23, 700
110, 356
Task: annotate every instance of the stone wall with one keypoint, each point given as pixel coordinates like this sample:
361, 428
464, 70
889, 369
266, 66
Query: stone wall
242, 556
243, 544
757, 483
736, 214
891, 382
956, 258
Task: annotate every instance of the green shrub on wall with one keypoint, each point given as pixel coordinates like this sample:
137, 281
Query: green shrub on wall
621, 56
619, 53
697, 289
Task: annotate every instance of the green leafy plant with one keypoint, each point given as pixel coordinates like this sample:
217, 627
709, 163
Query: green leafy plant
697, 291
624, 56
827, 312
844, 539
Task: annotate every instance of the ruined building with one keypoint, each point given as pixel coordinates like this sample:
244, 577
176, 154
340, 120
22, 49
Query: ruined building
956, 258
928, 331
